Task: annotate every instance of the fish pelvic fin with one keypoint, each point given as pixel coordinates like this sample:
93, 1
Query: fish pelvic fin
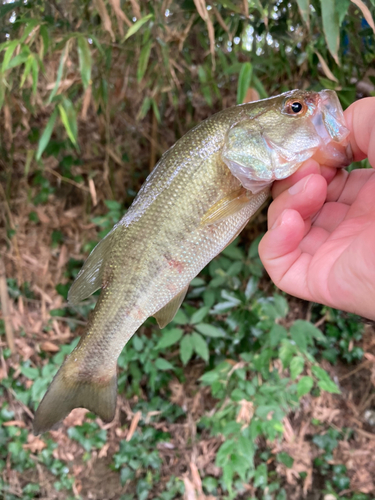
169, 311
90, 277
69, 390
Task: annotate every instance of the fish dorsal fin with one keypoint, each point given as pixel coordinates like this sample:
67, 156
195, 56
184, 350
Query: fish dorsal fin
90, 277
227, 206
168, 312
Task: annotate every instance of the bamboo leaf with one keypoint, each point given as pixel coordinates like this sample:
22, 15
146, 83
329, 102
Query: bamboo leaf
325, 68
138, 24
85, 62
27, 69
35, 73
244, 81
59, 76
47, 132
304, 8
155, 110
143, 60
45, 38
331, 27
8, 54
69, 119
366, 13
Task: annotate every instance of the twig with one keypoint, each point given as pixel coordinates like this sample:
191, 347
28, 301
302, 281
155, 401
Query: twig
4, 297
66, 179
359, 368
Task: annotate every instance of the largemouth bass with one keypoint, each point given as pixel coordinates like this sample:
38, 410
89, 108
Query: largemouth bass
200, 195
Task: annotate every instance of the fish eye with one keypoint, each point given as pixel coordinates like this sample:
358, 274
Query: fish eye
295, 107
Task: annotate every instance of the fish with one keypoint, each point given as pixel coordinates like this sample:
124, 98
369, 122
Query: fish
198, 198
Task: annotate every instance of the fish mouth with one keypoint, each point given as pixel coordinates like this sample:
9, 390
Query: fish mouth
329, 122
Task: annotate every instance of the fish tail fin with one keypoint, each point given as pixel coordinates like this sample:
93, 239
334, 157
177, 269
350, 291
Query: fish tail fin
69, 390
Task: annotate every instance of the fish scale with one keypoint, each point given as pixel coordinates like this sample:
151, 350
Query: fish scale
189, 209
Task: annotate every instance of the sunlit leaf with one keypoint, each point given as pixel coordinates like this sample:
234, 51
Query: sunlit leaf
304, 386
47, 132
138, 24
8, 54
69, 119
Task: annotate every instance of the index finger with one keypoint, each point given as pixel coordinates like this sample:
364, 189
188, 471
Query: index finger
360, 119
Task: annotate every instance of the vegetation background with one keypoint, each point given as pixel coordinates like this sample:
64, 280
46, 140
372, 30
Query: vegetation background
249, 393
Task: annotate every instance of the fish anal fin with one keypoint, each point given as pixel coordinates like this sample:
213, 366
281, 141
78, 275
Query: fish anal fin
68, 391
227, 206
168, 312
90, 277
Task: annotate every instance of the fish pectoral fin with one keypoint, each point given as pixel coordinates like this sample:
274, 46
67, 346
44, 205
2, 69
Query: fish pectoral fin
68, 391
90, 277
168, 312
227, 206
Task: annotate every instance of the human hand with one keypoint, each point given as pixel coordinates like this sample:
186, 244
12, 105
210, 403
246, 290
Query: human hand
320, 245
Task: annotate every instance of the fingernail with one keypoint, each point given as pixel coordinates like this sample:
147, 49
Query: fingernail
300, 186
279, 220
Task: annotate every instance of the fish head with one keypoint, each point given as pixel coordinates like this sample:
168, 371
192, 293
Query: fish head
273, 138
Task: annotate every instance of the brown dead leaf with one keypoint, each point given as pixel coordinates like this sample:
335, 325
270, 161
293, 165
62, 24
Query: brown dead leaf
251, 95
120, 15
48, 346
366, 13
15, 423
203, 12
325, 68
107, 25
34, 444
133, 425
136, 9
189, 490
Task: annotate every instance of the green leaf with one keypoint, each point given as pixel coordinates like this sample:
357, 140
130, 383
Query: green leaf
85, 62
44, 34
304, 386
169, 338
138, 24
286, 352
69, 119
285, 459
8, 54
163, 364
186, 349
329, 386
29, 372
59, 76
155, 110
209, 330
143, 60
47, 132
244, 80
27, 69
298, 336
35, 73
309, 330
199, 315
200, 345
331, 26
296, 366
304, 8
